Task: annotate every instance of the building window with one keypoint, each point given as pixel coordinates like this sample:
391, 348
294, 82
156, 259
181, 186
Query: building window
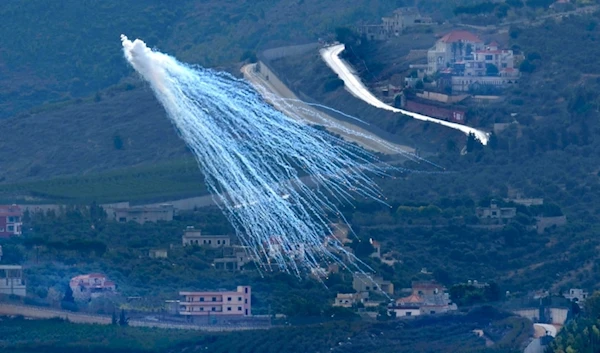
239, 308
201, 308
213, 309
408, 313
246, 290
245, 301
228, 308
246, 311
218, 242
214, 299
228, 299
239, 299
11, 228
210, 241
11, 219
201, 299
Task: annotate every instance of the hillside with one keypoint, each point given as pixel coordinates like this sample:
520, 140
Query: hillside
119, 128
441, 334
54, 51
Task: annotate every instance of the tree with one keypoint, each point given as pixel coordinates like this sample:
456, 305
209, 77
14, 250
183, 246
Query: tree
123, 319
68, 298
419, 85
527, 66
491, 70
473, 143
114, 318
493, 141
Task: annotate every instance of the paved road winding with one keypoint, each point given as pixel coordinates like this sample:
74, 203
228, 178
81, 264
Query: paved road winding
331, 56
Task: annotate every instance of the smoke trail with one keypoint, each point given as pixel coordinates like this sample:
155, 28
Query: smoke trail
250, 155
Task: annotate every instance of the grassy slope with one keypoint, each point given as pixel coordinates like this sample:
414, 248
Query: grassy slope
79, 137
161, 181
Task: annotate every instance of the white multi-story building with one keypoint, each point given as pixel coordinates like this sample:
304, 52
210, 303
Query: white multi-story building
464, 56
231, 303
11, 280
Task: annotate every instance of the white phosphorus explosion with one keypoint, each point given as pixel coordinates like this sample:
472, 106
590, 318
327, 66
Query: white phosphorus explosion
250, 155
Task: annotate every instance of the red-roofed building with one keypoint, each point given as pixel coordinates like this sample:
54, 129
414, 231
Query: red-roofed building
11, 221
91, 286
470, 63
452, 47
427, 298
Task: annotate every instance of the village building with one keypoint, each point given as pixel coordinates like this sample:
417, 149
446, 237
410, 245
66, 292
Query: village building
394, 25
427, 298
467, 63
235, 260
11, 280
576, 295
349, 300
142, 215
158, 253
276, 249
192, 236
495, 212
11, 221
91, 286
362, 282
217, 303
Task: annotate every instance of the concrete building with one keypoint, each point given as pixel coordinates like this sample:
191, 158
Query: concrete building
362, 282
11, 221
451, 48
427, 298
235, 261
91, 286
471, 64
142, 215
11, 280
158, 253
403, 18
192, 236
408, 306
219, 303
495, 212
348, 300
576, 295
276, 249
394, 25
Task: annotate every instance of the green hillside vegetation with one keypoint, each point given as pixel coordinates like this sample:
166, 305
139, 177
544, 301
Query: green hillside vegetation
583, 333
55, 51
123, 127
440, 334
163, 181
550, 152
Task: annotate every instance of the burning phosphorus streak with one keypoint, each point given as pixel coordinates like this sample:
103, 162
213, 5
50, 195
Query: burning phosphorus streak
250, 155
